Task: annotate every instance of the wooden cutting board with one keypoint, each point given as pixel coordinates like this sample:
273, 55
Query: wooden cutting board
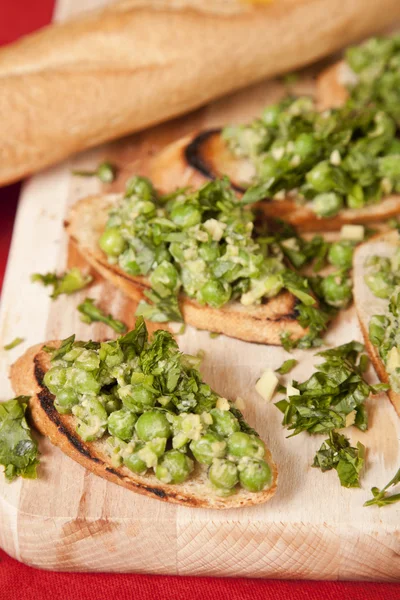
69, 519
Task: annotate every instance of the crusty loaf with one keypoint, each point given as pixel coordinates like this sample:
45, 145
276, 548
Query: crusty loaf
194, 158
26, 378
137, 62
262, 323
367, 304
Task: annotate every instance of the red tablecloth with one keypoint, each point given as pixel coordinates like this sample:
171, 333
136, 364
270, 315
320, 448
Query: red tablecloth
19, 582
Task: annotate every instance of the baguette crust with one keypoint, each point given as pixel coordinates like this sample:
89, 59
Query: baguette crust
368, 305
193, 159
261, 323
27, 376
105, 74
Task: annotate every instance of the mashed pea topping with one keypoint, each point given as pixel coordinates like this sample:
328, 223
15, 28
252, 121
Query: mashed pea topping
383, 279
149, 403
346, 157
374, 74
205, 243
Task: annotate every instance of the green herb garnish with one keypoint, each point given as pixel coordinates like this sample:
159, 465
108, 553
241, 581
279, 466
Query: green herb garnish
287, 366
335, 390
105, 172
18, 451
337, 453
380, 498
68, 283
16, 342
91, 314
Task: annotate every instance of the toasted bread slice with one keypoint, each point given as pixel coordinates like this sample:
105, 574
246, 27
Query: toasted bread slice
193, 159
261, 323
367, 304
27, 376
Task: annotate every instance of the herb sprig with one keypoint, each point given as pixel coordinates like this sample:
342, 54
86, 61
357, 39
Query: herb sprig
380, 497
68, 283
90, 313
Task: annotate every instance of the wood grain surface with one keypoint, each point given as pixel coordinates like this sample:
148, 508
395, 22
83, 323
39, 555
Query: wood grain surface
69, 519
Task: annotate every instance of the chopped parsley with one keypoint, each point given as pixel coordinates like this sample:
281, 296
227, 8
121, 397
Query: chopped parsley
91, 314
18, 450
380, 497
69, 282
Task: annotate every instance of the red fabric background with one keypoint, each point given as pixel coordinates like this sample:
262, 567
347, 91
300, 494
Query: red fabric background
18, 582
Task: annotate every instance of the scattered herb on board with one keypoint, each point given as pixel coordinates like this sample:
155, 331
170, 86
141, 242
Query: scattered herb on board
69, 282
337, 453
287, 366
380, 498
333, 398
18, 451
106, 172
91, 314
16, 342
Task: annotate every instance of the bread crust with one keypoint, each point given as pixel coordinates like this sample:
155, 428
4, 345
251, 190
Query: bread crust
261, 323
176, 166
27, 378
366, 307
105, 74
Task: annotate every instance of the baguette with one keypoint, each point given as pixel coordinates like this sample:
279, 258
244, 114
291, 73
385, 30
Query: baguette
26, 377
201, 156
367, 304
136, 63
262, 323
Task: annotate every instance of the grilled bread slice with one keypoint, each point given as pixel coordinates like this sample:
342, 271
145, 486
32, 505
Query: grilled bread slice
368, 305
27, 379
261, 323
331, 91
193, 159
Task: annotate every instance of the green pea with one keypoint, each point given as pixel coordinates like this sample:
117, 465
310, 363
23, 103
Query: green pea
73, 354
83, 382
270, 115
91, 419
223, 474
337, 290
55, 379
355, 198
320, 177
209, 252
208, 447
185, 215
224, 422
165, 279
110, 403
140, 186
215, 293
152, 424
242, 444
380, 284
304, 145
111, 354
389, 166
268, 167
121, 424
112, 242
174, 467
134, 462
66, 399
88, 360
327, 205
254, 475
378, 326
136, 397
341, 254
